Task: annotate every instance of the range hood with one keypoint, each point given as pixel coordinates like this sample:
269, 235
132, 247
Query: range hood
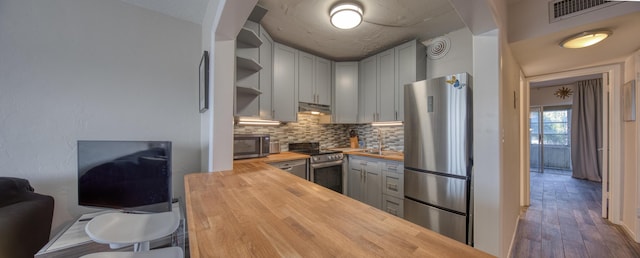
304, 107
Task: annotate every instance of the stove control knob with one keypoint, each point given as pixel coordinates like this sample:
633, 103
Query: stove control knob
329, 157
315, 158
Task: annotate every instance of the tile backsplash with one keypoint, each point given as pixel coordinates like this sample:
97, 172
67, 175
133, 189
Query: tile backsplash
308, 129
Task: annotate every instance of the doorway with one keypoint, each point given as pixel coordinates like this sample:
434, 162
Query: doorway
611, 160
550, 139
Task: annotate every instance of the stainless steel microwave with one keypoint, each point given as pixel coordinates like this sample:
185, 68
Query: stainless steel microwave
250, 146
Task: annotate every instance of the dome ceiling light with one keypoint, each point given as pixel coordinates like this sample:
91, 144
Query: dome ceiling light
585, 39
346, 15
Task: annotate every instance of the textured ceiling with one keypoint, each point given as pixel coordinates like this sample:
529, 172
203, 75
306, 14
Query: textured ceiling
304, 24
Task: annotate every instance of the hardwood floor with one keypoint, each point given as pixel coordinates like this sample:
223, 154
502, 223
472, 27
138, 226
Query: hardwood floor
564, 221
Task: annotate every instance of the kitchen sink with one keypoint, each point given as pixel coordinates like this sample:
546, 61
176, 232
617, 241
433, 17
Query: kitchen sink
383, 153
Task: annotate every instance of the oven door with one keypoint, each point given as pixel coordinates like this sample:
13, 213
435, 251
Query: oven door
327, 174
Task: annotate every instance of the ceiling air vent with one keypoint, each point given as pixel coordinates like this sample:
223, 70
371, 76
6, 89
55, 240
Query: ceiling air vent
438, 47
562, 9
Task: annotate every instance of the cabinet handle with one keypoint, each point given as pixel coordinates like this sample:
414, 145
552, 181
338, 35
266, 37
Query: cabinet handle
392, 211
393, 187
396, 115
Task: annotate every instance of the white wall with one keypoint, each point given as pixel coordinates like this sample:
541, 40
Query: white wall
510, 158
543, 96
92, 69
459, 58
496, 126
629, 177
221, 26
486, 140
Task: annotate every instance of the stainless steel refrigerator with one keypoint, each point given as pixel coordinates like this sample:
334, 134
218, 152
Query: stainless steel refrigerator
438, 156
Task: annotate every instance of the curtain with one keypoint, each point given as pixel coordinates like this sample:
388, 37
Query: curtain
586, 130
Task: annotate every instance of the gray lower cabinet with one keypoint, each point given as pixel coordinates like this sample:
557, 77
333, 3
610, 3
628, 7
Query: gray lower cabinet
285, 83
377, 182
393, 187
393, 205
365, 181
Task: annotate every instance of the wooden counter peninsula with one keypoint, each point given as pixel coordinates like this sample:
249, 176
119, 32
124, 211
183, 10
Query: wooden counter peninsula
256, 210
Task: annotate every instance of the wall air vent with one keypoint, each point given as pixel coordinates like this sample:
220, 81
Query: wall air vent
438, 47
563, 9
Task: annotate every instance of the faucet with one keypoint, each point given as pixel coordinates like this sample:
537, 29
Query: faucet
379, 141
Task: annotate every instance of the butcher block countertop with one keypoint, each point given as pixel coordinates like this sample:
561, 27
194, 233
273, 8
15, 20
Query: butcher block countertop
388, 155
256, 210
284, 156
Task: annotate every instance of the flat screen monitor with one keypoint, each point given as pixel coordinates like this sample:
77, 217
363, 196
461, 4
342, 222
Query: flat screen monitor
133, 176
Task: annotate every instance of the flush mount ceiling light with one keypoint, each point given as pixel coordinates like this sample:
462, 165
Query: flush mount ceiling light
346, 15
585, 39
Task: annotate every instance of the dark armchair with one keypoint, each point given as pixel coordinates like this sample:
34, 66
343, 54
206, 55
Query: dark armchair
25, 218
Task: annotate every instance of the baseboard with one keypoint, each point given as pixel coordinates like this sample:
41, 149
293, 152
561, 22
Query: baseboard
629, 232
515, 233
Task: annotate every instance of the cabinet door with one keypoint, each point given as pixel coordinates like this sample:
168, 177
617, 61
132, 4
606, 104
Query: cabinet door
386, 86
285, 83
322, 84
368, 90
393, 184
393, 205
266, 75
305, 77
356, 177
345, 108
411, 67
373, 184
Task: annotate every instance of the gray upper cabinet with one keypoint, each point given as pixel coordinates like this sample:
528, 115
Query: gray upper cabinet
345, 106
368, 90
314, 79
285, 83
323, 81
411, 66
383, 77
377, 88
386, 86
266, 75
305, 77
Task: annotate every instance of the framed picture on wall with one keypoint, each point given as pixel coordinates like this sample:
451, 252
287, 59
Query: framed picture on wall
629, 101
203, 82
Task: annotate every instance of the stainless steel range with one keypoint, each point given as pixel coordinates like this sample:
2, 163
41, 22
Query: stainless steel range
325, 165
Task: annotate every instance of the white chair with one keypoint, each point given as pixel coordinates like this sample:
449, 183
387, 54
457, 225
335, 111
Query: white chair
123, 229
169, 252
